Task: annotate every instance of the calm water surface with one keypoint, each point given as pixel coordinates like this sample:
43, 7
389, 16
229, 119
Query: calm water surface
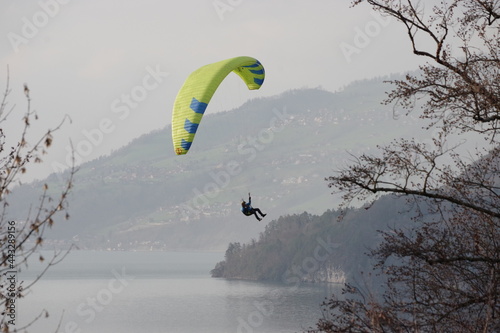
132, 292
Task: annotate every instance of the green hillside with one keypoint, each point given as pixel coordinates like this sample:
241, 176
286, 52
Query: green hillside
279, 148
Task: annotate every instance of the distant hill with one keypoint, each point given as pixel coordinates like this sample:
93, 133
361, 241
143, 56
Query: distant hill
279, 148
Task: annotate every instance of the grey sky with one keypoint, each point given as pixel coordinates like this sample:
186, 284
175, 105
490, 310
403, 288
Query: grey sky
116, 66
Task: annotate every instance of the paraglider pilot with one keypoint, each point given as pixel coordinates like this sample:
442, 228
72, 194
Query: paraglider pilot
248, 210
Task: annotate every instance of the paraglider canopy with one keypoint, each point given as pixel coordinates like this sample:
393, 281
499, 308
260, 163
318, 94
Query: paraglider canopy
196, 92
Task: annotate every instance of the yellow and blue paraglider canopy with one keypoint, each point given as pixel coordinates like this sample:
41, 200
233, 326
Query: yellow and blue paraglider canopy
196, 92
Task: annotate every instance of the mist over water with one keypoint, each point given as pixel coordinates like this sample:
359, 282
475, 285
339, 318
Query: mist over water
129, 292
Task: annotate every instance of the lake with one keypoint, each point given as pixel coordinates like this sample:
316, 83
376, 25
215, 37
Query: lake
130, 292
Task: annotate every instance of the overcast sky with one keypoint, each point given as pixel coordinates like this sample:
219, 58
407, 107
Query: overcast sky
116, 66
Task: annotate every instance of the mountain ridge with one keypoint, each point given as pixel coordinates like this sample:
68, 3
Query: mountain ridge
280, 148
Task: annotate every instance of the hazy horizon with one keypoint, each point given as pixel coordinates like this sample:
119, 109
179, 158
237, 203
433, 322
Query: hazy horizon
115, 71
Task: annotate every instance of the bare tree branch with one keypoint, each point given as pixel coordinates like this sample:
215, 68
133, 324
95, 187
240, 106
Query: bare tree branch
21, 239
442, 270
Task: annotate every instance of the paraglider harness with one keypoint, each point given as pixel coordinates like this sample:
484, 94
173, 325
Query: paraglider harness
246, 208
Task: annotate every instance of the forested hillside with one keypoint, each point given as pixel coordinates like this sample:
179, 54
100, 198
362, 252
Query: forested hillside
313, 248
